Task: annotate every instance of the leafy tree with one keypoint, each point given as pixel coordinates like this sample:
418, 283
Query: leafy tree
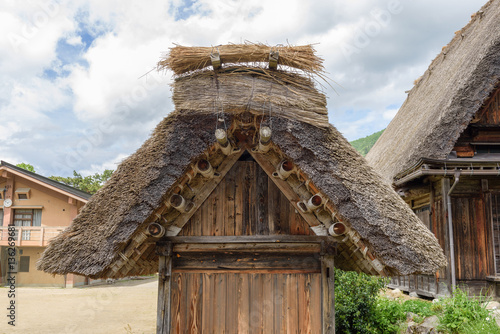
363, 145
356, 301
26, 166
89, 184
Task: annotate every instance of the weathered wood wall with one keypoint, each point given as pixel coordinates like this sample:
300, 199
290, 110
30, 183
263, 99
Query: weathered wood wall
490, 114
247, 291
471, 233
246, 303
475, 203
246, 202
495, 212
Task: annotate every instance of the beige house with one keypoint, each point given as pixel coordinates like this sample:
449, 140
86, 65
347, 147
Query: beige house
39, 208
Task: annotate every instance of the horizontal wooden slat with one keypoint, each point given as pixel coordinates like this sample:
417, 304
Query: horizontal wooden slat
248, 271
250, 239
250, 247
245, 261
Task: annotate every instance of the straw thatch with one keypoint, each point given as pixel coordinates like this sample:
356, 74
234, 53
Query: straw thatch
107, 223
182, 59
444, 101
102, 234
239, 89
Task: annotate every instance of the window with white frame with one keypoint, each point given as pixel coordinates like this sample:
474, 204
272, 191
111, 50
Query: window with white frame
27, 217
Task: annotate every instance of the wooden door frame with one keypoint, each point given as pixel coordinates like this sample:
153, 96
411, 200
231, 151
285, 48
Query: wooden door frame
324, 246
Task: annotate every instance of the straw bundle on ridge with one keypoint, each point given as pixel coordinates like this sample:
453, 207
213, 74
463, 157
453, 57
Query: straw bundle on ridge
182, 59
283, 94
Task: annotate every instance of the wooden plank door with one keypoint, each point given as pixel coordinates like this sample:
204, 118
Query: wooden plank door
246, 303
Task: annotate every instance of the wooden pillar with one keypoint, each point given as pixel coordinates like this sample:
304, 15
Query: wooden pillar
164, 251
489, 231
445, 188
327, 288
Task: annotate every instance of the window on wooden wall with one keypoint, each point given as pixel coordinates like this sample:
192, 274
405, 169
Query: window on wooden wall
485, 149
1, 217
424, 213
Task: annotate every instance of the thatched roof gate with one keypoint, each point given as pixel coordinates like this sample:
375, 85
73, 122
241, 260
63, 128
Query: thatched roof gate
189, 180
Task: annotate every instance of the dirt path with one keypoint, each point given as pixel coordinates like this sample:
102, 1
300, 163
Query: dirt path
122, 307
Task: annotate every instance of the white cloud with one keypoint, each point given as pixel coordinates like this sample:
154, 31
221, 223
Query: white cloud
55, 97
111, 164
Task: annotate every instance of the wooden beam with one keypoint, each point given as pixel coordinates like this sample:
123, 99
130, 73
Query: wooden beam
247, 271
243, 239
164, 289
246, 261
287, 190
328, 293
203, 193
251, 247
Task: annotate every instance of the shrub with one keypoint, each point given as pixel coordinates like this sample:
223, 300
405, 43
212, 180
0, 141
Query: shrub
391, 314
388, 315
461, 313
418, 306
355, 302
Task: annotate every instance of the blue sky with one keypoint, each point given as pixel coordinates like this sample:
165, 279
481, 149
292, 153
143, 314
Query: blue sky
74, 95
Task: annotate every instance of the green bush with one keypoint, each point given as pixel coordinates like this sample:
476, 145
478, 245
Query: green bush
355, 302
360, 309
390, 314
418, 306
461, 313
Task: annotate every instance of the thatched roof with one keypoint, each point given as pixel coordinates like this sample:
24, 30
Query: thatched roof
107, 235
445, 99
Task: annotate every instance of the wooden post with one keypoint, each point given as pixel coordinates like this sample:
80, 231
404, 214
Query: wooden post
328, 288
164, 250
445, 188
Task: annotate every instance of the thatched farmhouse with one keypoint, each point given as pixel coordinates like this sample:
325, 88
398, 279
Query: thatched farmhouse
244, 199
442, 154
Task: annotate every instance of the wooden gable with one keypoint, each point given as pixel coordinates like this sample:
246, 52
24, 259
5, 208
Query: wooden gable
246, 202
482, 135
230, 271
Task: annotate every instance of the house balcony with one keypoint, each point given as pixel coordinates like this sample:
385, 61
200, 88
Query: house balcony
38, 236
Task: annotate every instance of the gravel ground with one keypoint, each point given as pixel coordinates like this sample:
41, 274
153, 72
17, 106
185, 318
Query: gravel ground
122, 307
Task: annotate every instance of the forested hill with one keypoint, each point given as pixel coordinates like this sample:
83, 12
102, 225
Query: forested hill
363, 145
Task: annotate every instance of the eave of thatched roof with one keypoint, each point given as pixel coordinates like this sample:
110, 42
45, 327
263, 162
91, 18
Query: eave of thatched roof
445, 99
92, 244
